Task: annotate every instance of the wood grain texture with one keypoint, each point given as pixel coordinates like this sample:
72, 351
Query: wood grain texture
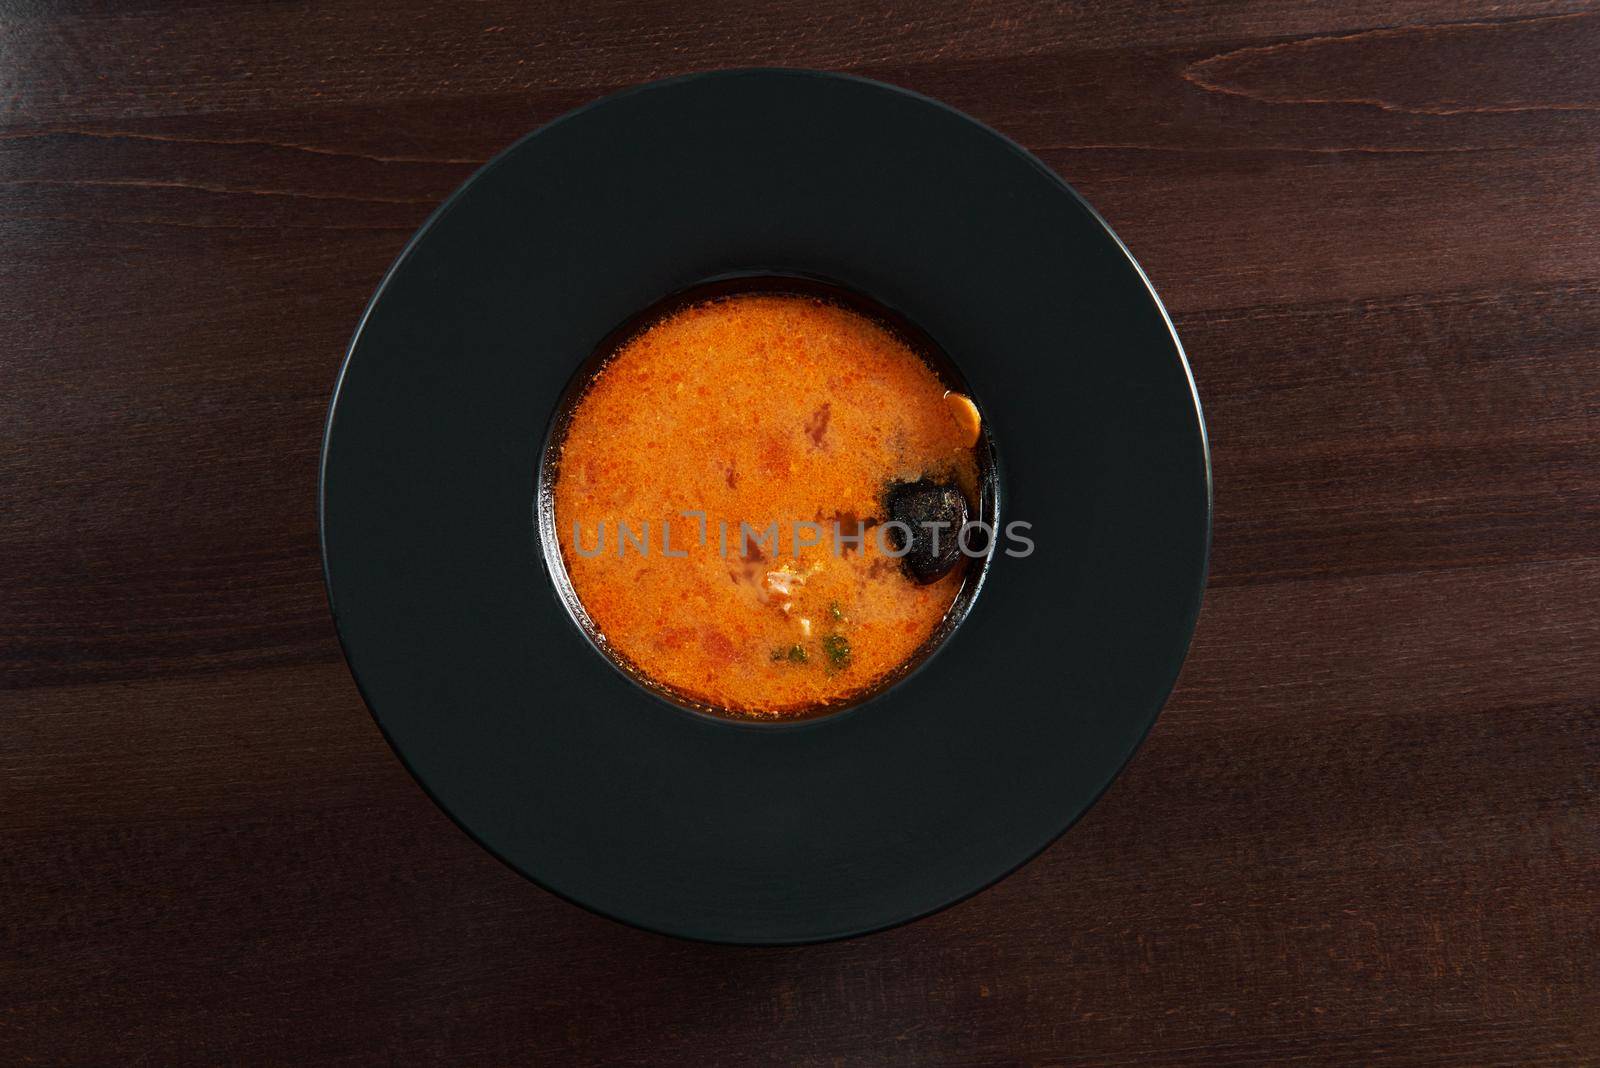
1366, 828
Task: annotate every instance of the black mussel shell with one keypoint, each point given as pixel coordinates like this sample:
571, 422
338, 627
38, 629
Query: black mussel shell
933, 551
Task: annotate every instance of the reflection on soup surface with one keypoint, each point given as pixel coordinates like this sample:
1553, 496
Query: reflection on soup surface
723, 492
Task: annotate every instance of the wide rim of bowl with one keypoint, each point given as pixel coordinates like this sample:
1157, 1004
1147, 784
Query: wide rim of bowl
451, 203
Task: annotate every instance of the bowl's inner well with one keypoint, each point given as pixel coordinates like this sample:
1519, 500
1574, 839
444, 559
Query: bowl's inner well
767, 498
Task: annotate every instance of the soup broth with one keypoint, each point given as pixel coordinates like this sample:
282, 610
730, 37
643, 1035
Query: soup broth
722, 493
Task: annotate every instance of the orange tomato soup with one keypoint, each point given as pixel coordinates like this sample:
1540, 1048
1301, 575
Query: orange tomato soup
757, 409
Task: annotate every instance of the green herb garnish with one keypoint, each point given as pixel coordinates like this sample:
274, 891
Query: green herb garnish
837, 646
797, 654
835, 611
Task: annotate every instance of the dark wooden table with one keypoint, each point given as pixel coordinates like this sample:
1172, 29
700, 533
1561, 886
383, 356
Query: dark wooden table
1367, 826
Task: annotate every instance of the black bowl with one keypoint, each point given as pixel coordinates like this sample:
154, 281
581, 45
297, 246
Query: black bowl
710, 828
